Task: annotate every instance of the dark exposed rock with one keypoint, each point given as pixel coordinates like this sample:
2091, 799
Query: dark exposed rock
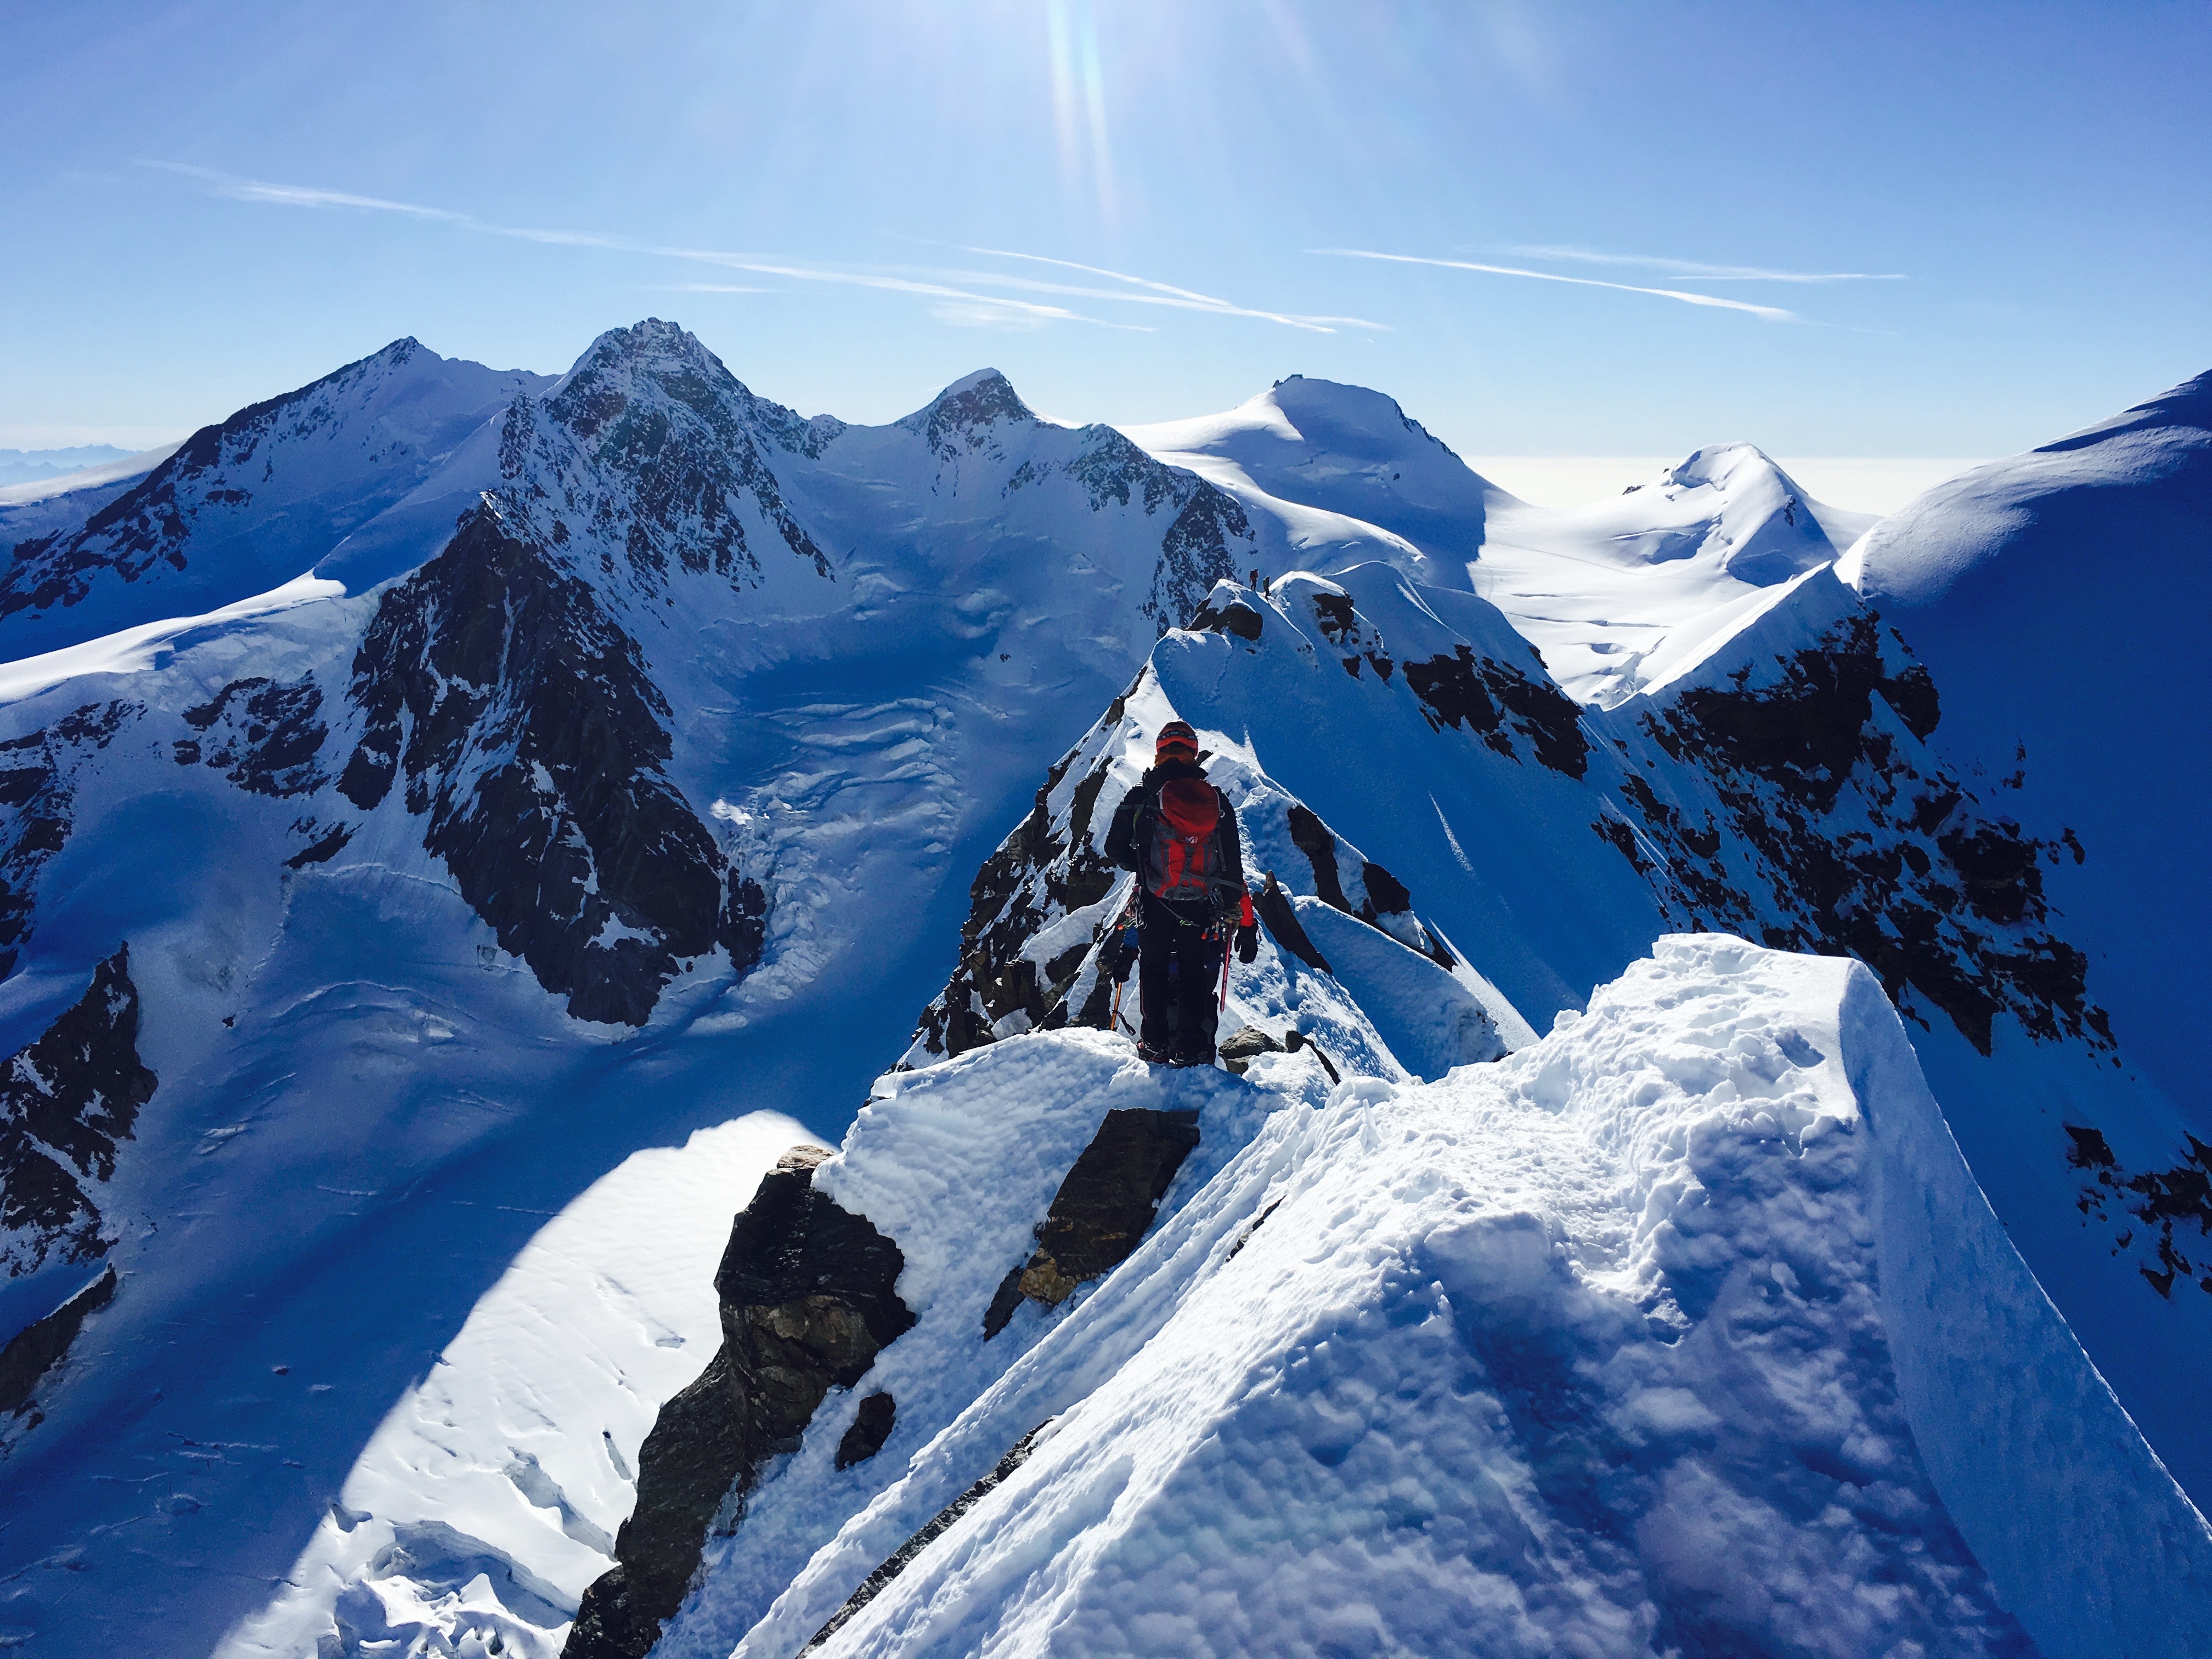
871, 1426
1102, 1209
961, 418
67, 1101
685, 1468
322, 849
2159, 1200
939, 1524
1296, 1041
1840, 845
263, 735
527, 730
34, 1350
1334, 612
37, 773
1280, 917
809, 1297
1231, 614
1313, 838
1036, 871
1495, 701
671, 443
1386, 894
1196, 553
1247, 1042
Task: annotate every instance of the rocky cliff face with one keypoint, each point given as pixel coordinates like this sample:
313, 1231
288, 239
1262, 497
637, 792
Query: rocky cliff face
809, 1298
67, 1102
530, 738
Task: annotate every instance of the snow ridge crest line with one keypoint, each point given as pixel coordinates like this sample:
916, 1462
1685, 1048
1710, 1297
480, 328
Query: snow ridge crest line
1632, 1304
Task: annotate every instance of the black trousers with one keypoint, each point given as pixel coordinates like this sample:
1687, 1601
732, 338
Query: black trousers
1179, 973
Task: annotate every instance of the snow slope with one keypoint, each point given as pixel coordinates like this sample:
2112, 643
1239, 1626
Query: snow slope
2053, 595
1645, 1339
44, 505
514, 1458
1785, 789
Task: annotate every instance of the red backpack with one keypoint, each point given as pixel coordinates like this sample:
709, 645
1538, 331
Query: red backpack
1185, 860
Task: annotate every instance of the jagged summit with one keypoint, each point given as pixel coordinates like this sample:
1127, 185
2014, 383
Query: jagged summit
964, 415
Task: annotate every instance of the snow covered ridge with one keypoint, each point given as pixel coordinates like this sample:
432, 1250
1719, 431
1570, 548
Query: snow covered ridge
248, 504
1786, 787
1652, 1338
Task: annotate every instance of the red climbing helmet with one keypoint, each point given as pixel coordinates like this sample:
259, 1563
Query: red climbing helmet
1176, 736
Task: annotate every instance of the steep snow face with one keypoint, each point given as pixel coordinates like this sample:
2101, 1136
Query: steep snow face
2051, 595
1636, 1342
516, 1457
251, 503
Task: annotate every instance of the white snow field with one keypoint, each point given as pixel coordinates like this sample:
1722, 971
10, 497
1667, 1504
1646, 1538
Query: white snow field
525, 806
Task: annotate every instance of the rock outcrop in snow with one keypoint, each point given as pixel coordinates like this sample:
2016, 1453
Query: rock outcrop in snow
67, 1103
808, 1300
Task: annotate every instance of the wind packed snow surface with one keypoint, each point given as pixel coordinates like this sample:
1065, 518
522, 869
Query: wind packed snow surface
1642, 1340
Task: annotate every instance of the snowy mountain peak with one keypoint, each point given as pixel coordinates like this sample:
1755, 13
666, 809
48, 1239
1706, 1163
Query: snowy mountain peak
1340, 467
965, 414
1347, 419
250, 502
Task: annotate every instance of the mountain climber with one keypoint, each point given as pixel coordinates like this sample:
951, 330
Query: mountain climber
1178, 834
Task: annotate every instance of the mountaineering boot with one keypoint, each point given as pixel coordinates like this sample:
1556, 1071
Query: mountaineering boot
1152, 1056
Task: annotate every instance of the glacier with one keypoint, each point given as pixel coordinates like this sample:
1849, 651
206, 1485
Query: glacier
1708, 1170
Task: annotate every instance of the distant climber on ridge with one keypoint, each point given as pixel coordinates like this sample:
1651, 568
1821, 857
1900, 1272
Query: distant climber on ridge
1178, 834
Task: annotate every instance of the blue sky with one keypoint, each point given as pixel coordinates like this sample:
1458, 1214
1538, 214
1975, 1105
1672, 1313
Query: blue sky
1139, 210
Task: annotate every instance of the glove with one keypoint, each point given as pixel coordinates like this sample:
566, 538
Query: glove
1248, 943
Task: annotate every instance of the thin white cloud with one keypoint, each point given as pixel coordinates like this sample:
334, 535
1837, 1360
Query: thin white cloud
957, 305
1695, 269
254, 190
709, 287
1156, 293
1772, 313
902, 285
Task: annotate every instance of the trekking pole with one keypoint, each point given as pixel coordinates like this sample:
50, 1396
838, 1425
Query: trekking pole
1228, 942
